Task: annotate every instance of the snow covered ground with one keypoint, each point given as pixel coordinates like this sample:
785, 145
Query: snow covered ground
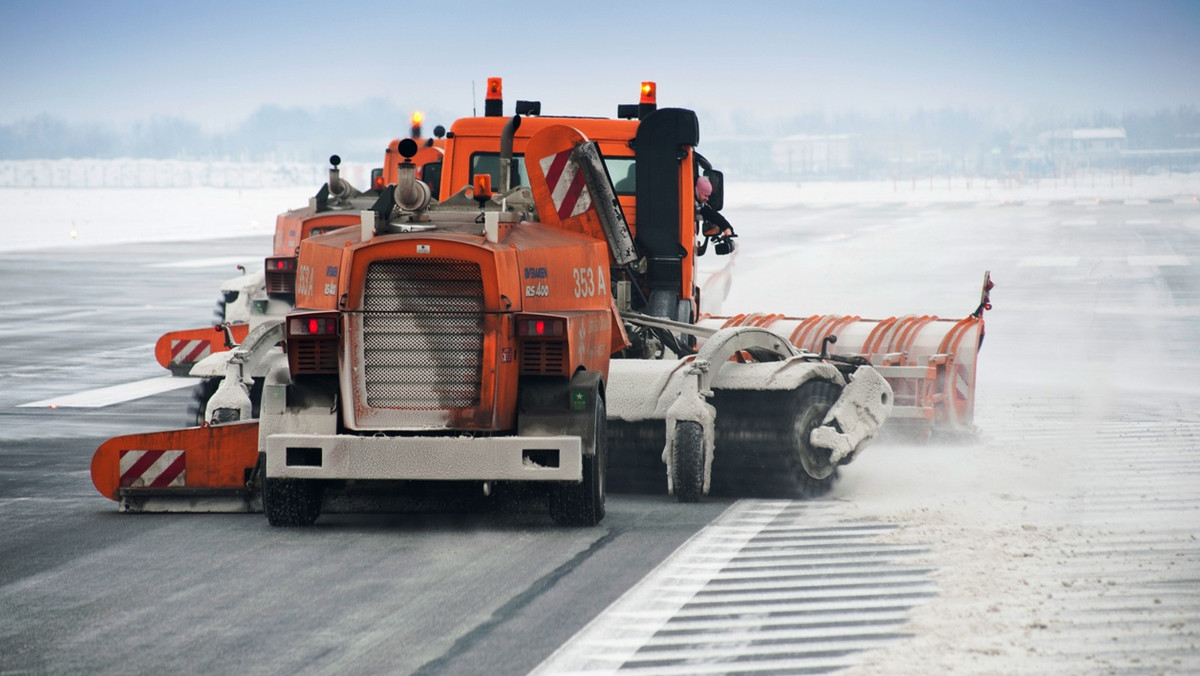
41, 217
1065, 539
960, 189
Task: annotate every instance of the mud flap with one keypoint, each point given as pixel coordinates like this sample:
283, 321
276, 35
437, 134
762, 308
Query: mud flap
198, 469
855, 418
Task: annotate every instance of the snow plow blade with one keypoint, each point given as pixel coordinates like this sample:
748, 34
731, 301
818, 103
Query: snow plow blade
928, 361
179, 351
198, 469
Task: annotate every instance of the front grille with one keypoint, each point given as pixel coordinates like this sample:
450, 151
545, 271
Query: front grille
543, 357
423, 334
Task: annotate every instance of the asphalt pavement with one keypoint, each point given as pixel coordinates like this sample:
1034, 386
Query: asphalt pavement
1061, 540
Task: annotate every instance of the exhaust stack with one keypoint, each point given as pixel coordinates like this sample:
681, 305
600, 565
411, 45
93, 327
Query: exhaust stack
410, 194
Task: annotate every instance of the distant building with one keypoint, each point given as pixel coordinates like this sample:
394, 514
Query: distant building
806, 155
1074, 148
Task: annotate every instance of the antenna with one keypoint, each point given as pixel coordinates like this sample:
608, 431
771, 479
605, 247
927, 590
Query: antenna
473, 113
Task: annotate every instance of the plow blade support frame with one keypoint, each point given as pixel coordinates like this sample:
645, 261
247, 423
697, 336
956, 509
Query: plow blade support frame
208, 471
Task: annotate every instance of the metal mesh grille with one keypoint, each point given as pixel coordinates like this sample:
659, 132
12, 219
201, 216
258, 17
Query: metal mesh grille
423, 334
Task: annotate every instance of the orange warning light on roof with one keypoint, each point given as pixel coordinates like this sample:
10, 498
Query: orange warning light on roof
494, 88
649, 93
418, 117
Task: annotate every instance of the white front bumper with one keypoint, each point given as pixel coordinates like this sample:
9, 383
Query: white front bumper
311, 456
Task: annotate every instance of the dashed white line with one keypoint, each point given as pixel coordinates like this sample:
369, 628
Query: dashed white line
821, 591
208, 262
1159, 261
1048, 262
116, 394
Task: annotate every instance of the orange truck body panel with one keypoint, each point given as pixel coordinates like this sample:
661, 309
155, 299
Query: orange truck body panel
294, 226
536, 268
482, 135
190, 345
211, 458
427, 153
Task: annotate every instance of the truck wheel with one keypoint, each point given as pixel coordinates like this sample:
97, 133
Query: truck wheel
291, 502
201, 393
815, 475
687, 461
582, 504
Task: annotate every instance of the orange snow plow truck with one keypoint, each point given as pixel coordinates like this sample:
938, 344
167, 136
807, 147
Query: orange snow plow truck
270, 293
539, 325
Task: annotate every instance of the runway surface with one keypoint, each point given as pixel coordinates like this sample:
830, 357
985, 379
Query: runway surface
1062, 540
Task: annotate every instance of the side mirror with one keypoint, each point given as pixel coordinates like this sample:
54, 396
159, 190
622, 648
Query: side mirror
717, 199
431, 175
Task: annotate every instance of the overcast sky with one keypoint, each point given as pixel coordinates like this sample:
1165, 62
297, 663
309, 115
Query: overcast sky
217, 61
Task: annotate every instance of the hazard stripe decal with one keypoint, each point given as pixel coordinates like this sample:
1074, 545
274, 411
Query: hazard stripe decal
189, 351
568, 189
553, 166
573, 197
153, 469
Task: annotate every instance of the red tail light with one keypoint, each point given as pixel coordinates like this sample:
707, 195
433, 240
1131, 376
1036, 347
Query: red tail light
542, 344
324, 324
541, 327
281, 276
312, 343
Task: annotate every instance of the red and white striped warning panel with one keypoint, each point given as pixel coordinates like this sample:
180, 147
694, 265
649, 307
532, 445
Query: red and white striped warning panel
567, 187
152, 469
189, 351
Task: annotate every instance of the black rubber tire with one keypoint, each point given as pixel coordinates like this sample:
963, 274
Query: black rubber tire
808, 406
687, 461
291, 503
582, 504
201, 393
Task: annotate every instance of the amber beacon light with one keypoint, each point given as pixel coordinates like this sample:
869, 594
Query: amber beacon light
493, 105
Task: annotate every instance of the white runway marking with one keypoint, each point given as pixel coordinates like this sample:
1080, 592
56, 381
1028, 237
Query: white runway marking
116, 394
774, 586
1048, 262
227, 261
1162, 261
